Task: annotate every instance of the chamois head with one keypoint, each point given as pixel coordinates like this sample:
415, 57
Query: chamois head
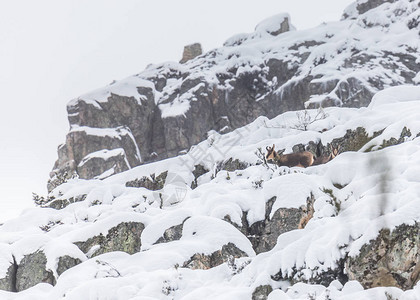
326, 158
334, 150
272, 154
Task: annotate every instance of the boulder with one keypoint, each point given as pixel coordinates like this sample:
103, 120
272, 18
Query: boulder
103, 163
173, 233
8, 283
89, 152
263, 234
66, 262
152, 182
191, 51
364, 6
262, 292
32, 270
123, 237
392, 259
197, 172
204, 262
275, 25
232, 165
359, 7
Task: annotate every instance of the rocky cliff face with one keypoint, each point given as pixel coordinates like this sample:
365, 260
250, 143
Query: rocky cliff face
169, 107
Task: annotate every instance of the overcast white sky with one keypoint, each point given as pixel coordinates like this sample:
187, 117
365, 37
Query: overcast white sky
52, 51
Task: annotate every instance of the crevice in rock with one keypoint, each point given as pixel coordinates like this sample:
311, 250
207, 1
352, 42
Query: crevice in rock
14, 275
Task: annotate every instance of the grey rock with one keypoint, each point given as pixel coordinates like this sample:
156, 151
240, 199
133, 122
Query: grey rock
354, 140
66, 262
283, 27
123, 237
8, 283
405, 133
232, 165
191, 51
283, 220
94, 166
365, 6
263, 234
152, 183
32, 270
173, 233
204, 262
74, 158
323, 278
262, 292
392, 259
273, 26
62, 203
197, 172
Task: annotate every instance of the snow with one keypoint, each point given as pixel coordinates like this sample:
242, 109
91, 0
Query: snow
156, 271
328, 237
104, 154
396, 95
273, 23
175, 108
111, 132
351, 11
125, 88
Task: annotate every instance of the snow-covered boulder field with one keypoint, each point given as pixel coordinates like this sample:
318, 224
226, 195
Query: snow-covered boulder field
169, 107
220, 223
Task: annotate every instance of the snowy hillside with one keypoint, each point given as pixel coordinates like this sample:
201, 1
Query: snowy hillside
162, 189
115, 239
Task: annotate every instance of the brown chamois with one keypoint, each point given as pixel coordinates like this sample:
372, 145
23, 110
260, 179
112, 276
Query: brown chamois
302, 159
324, 159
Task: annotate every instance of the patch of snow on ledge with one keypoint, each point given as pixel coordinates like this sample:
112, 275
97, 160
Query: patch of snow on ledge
104, 154
395, 95
125, 88
273, 24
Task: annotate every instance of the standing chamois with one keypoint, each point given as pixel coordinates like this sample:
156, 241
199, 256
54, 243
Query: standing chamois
324, 159
302, 159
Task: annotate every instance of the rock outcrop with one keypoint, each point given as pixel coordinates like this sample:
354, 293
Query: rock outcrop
360, 7
262, 292
8, 283
263, 234
392, 259
152, 182
32, 270
170, 107
66, 262
124, 237
173, 233
204, 262
191, 52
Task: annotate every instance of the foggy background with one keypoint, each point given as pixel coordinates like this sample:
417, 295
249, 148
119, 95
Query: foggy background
52, 51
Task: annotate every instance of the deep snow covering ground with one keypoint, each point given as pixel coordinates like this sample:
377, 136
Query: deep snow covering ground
328, 236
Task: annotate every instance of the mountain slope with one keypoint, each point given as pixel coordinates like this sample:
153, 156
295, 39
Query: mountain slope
225, 239
218, 221
169, 107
